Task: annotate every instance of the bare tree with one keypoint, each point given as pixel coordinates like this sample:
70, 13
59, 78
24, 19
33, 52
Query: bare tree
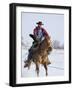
25, 44
57, 45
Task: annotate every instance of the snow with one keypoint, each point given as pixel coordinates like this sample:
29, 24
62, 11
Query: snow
56, 68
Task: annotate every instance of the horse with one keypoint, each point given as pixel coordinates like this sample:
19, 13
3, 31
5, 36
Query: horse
40, 55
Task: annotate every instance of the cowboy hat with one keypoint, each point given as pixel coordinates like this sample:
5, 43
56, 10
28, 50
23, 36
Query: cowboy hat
40, 23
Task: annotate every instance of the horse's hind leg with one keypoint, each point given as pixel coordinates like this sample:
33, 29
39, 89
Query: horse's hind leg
45, 66
37, 69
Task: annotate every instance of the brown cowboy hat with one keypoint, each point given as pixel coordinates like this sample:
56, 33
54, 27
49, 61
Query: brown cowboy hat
40, 23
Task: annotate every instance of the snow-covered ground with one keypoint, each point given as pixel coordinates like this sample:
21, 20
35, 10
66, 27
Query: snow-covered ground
56, 68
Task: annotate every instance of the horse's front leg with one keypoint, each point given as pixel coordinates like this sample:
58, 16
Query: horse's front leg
37, 68
45, 66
